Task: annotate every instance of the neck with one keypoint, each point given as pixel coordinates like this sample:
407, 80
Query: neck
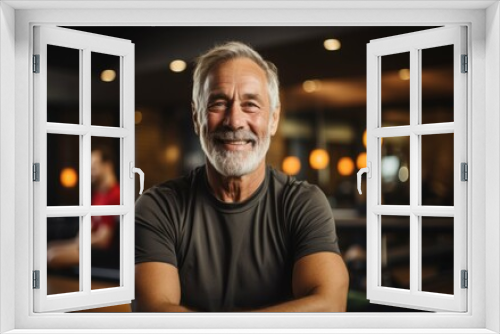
235, 189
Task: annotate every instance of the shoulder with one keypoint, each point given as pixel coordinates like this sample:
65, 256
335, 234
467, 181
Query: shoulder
294, 191
170, 195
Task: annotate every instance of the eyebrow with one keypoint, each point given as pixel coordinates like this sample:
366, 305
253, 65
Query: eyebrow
248, 96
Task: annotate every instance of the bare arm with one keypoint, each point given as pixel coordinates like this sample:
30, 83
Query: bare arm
157, 288
320, 283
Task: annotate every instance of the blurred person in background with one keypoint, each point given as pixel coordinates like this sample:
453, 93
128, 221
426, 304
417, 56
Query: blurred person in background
235, 234
105, 191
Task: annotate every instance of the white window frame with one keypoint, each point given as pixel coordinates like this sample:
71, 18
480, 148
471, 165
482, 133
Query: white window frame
85, 44
414, 44
483, 20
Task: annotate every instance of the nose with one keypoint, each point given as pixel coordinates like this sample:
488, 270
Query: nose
234, 117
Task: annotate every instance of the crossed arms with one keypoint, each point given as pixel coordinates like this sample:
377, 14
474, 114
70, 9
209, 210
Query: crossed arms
319, 281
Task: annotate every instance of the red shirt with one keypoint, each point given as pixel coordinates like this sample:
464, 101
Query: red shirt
111, 197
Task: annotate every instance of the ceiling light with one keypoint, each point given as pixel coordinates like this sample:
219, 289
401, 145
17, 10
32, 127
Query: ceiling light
177, 65
310, 86
332, 44
404, 74
108, 75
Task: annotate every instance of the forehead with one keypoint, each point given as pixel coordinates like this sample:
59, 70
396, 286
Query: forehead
239, 71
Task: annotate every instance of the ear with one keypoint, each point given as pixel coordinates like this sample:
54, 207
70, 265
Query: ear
196, 123
275, 120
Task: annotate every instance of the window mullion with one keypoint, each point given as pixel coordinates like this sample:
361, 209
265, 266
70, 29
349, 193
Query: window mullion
415, 251
85, 242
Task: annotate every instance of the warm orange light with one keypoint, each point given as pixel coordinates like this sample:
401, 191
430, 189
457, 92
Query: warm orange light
404, 74
68, 177
138, 117
291, 165
361, 160
319, 159
345, 166
108, 75
172, 154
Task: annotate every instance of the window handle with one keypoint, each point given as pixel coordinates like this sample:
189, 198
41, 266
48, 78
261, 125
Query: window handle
133, 170
368, 171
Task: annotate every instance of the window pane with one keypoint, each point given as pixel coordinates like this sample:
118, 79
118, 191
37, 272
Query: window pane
63, 85
395, 252
63, 255
395, 76
63, 168
105, 171
437, 254
105, 90
437, 84
395, 170
105, 252
437, 169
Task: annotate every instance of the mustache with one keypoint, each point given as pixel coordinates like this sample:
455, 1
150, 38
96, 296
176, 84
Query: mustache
224, 134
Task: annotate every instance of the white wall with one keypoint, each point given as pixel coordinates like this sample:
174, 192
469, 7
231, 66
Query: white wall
7, 164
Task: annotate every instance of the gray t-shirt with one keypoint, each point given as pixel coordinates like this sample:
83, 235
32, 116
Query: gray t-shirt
233, 256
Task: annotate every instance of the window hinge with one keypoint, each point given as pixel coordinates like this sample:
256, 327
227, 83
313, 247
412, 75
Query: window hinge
36, 172
464, 172
465, 64
36, 63
36, 279
465, 279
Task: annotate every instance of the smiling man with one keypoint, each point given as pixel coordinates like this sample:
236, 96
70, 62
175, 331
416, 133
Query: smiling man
235, 234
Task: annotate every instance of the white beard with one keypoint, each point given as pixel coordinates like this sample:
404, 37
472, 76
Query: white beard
235, 163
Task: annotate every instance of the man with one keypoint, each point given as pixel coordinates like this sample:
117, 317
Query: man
235, 235
105, 191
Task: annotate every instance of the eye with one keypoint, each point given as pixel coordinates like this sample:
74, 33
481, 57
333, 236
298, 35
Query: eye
217, 105
249, 105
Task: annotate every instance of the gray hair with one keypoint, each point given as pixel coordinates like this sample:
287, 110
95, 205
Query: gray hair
222, 53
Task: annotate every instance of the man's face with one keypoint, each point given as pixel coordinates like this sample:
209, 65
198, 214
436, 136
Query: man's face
237, 129
97, 168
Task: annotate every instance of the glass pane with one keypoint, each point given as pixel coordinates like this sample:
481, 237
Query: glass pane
395, 77
105, 265
63, 159
105, 89
437, 254
395, 171
63, 255
63, 85
437, 169
437, 84
105, 171
395, 252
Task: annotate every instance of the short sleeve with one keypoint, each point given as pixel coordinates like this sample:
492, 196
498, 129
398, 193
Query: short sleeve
312, 225
155, 236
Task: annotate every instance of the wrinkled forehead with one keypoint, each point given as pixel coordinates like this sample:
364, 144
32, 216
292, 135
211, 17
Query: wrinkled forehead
242, 73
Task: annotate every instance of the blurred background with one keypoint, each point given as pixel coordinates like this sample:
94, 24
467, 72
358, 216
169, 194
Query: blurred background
321, 138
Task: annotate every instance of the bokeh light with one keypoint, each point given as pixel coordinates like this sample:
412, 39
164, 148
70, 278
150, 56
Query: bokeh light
361, 160
345, 166
68, 177
332, 44
108, 75
291, 165
178, 65
319, 159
